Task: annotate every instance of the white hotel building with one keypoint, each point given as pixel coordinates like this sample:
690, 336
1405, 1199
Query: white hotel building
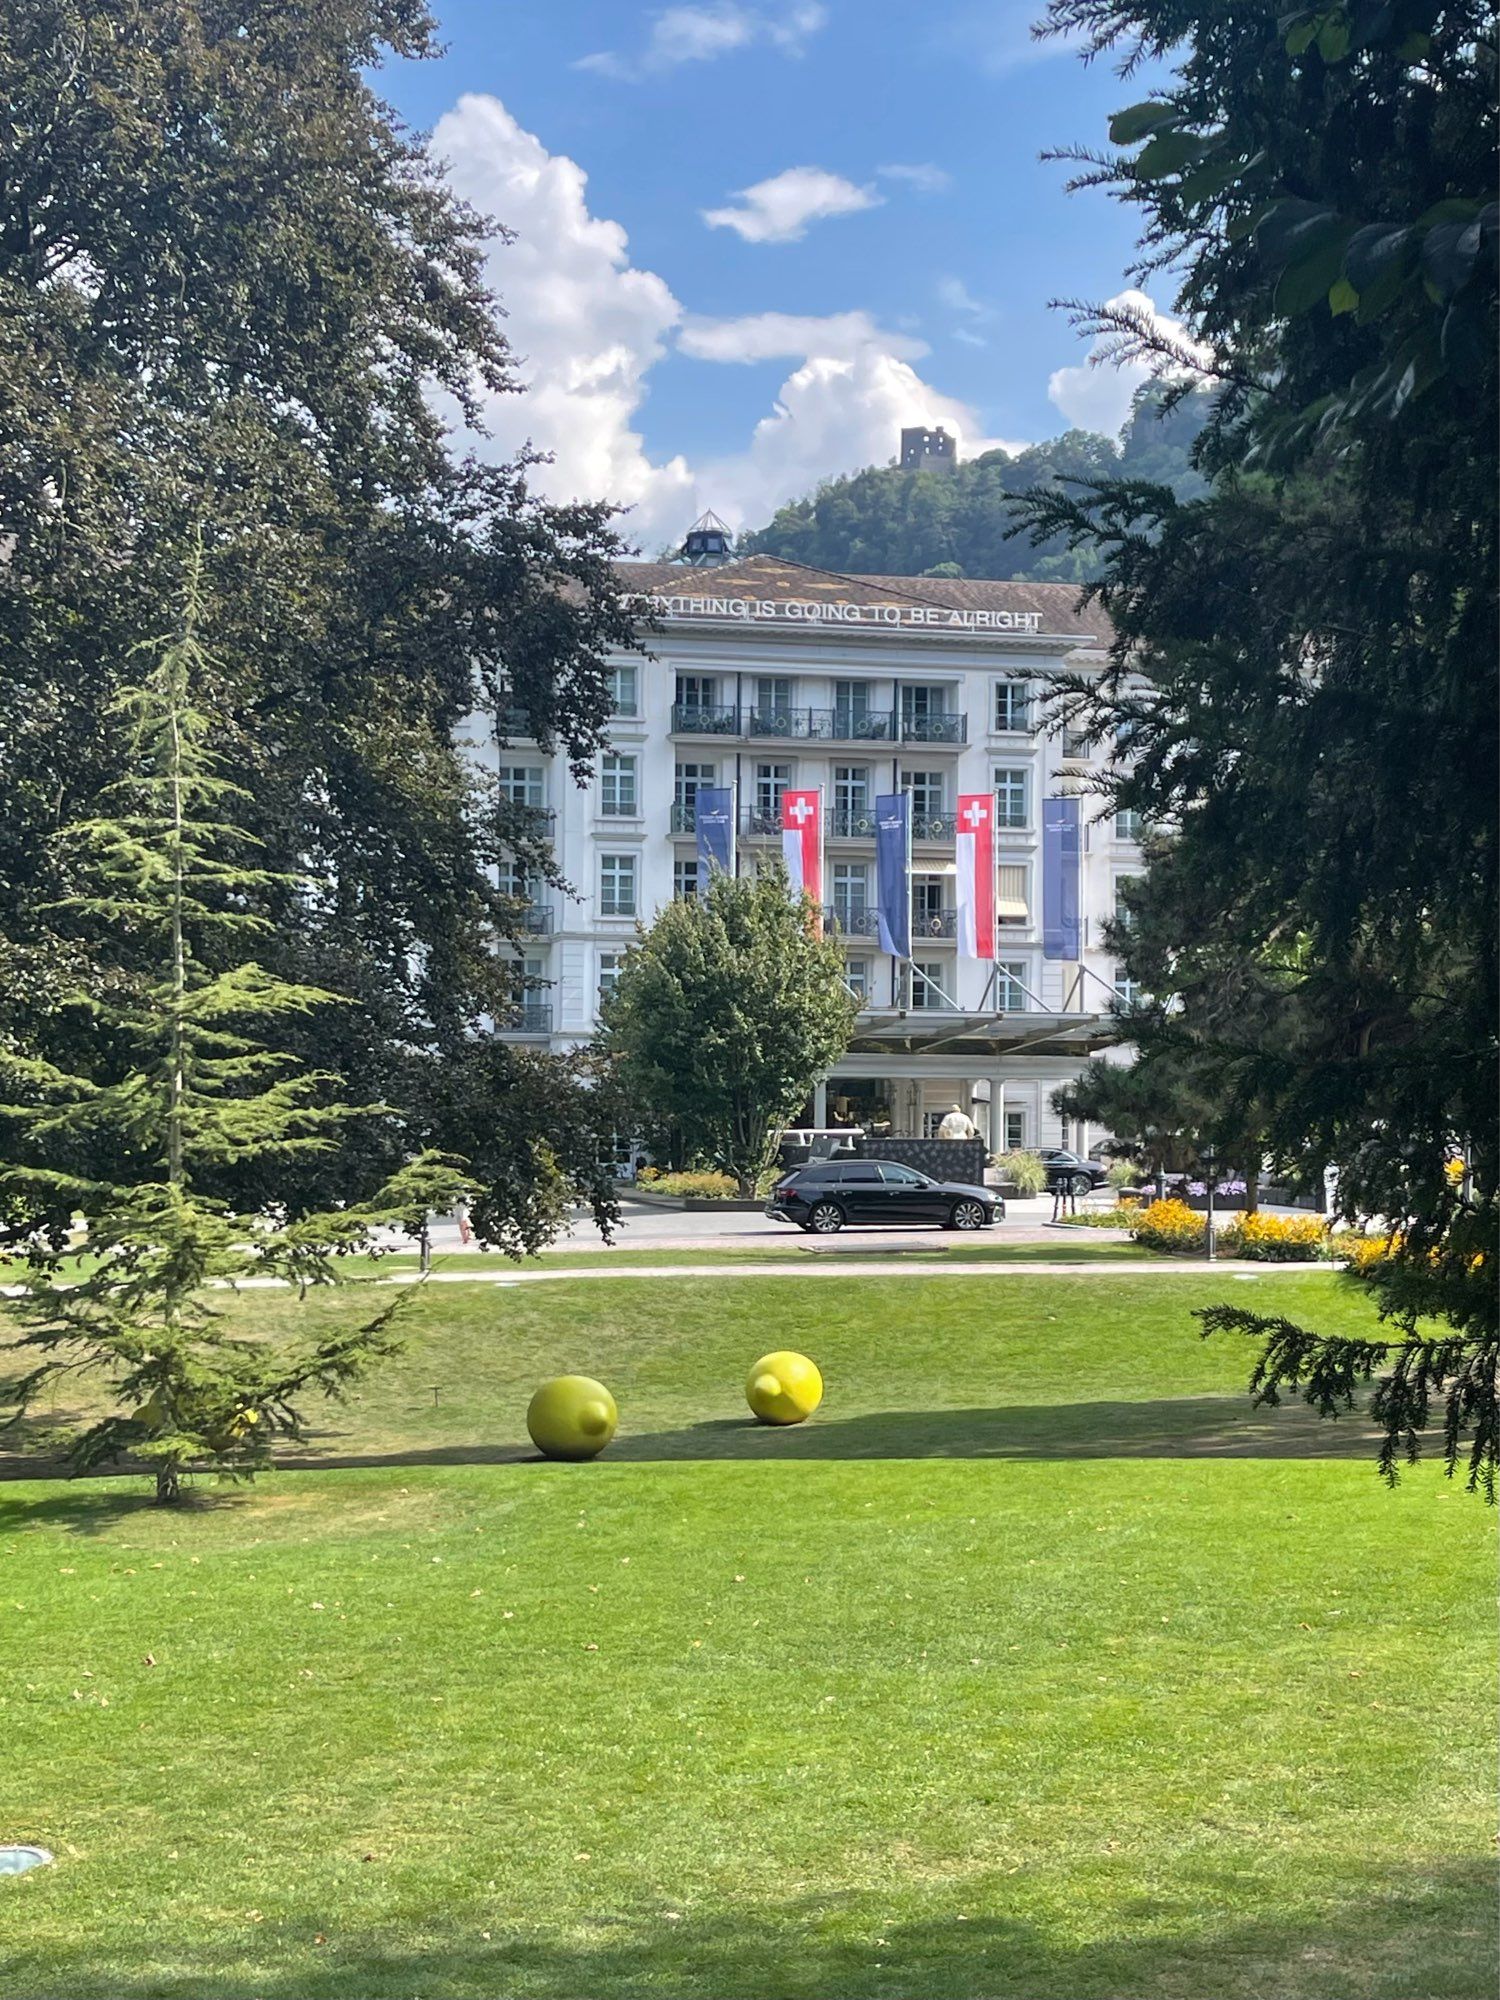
770, 676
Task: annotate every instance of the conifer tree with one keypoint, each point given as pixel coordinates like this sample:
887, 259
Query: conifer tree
167, 887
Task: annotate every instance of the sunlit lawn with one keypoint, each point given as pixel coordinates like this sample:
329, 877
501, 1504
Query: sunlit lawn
1036, 1665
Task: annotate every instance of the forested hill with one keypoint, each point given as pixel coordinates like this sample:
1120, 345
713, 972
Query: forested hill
887, 522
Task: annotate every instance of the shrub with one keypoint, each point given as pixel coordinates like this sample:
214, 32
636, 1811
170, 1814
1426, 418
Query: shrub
1360, 1252
1102, 1218
1171, 1226
1276, 1239
1123, 1174
1024, 1169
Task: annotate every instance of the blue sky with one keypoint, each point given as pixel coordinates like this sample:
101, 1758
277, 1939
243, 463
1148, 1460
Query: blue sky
690, 345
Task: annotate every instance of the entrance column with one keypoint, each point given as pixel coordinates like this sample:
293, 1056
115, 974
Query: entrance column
997, 1113
820, 1105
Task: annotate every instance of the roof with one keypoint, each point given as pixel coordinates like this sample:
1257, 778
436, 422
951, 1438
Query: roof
776, 579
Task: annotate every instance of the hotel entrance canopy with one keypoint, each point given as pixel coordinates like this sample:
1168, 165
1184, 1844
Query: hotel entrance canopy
980, 1037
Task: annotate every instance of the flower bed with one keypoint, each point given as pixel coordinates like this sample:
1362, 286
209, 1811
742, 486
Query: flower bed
1169, 1226
1276, 1239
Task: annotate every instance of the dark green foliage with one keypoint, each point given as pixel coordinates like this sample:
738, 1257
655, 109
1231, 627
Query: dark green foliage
1305, 656
164, 869
884, 521
727, 1012
229, 281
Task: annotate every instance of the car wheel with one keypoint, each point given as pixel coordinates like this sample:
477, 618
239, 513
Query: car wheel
826, 1219
967, 1215
1082, 1184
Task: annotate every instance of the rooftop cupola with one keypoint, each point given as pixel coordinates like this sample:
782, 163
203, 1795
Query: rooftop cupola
708, 541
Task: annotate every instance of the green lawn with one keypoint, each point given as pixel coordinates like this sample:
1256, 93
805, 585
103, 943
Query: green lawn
1034, 1666
867, 1248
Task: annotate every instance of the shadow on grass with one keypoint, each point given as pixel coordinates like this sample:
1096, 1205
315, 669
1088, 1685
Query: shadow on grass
1424, 1932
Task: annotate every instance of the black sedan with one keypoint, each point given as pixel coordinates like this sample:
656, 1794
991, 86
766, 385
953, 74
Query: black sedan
1077, 1175
824, 1195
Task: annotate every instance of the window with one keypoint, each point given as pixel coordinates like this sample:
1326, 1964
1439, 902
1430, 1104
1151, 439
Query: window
1012, 705
684, 881
927, 985
926, 898
1075, 744
857, 977
617, 793
1010, 985
511, 879
851, 790
609, 972
895, 1176
926, 788
690, 780
696, 691
851, 892
623, 696
859, 1171
1126, 990
1015, 1131
773, 705
522, 784
1122, 913
922, 704
931, 1121
1012, 902
1127, 824
1010, 795
617, 894
771, 780
851, 707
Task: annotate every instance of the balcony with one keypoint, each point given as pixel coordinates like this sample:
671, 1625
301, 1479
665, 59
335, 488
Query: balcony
938, 825
949, 729
535, 921
531, 1017
760, 823
853, 919
684, 816
513, 722
851, 823
933, 924
1075, 747
696, 718
535, 822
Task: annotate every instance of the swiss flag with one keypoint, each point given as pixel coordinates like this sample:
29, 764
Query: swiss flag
802, 843
976, 874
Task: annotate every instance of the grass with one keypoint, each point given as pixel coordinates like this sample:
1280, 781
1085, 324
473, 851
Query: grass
1035, 1666
866, 1248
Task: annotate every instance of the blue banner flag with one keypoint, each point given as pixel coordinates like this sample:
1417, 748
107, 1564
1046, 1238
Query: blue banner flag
893, 872
713, 820
1062, 863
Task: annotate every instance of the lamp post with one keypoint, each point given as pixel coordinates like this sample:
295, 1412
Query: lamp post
1207, 1157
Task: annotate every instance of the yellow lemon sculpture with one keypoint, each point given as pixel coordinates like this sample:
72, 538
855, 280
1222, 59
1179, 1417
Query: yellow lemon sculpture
784, 1388
572, 1416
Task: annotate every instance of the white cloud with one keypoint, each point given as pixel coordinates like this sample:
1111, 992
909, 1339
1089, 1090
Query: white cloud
702, 34
588, 327
779, 210
923, 176
769, 336
1095, 394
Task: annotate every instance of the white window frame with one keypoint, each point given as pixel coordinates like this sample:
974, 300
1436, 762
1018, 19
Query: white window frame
1008, 780
619, 785
1010, 986
685, 882
624, 691
1012, 696
614, 870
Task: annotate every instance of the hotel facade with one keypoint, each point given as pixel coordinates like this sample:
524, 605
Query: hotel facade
771, 677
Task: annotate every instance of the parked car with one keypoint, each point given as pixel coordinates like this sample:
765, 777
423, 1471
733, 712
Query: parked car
1078, 1175
825, 1194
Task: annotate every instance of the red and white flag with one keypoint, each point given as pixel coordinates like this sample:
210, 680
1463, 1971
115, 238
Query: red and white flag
802, 843
976, 874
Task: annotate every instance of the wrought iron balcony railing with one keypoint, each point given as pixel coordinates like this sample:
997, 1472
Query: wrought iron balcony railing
939, 824
934, 923
934, 729
701, 718
531, 819
530, 1017
853, 919
684, 816
535, 921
